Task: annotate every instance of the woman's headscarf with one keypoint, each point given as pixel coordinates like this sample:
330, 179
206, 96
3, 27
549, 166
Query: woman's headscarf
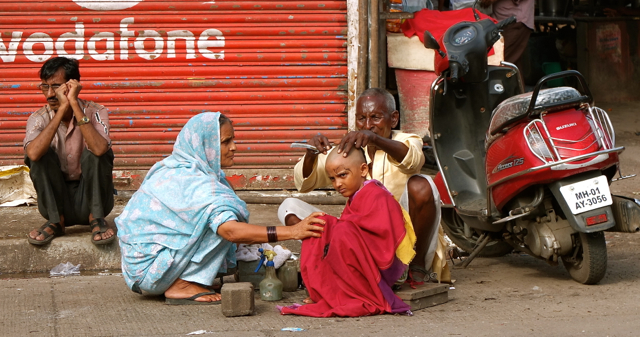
183, 193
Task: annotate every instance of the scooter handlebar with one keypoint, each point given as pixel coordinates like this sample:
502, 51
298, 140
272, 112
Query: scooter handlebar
454, 67
506, 22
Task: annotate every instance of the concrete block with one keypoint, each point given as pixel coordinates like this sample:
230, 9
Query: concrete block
425, 295
237, 299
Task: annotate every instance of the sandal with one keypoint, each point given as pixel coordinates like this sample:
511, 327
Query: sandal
192, 300
102, 228
416, 281
57, 231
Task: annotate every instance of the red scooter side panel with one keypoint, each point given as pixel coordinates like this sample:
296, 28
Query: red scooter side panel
442, 189
509, 154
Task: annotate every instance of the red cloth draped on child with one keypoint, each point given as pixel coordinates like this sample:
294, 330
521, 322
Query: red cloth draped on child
349, 271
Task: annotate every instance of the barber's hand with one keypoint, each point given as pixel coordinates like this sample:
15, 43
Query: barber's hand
74, 89
359, 139
61, 94
308, 227
321, 143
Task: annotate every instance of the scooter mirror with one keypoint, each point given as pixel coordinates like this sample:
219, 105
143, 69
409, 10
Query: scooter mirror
430, 41
475, 11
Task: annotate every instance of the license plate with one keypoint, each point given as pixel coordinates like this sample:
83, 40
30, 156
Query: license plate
587, 194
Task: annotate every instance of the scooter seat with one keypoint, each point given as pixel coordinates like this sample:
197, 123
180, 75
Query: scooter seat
515, 108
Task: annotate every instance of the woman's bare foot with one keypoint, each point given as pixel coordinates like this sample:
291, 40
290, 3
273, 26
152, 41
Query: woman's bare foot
308, 300
184, 289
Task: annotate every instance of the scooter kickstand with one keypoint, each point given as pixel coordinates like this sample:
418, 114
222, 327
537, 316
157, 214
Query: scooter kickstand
484, 240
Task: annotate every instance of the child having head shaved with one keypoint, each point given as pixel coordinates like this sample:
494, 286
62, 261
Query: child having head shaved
350, 270
347, 173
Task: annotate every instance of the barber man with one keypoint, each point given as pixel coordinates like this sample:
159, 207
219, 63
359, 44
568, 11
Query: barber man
395, 159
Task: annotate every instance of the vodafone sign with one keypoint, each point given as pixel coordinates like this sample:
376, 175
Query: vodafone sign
110, 36
106, 5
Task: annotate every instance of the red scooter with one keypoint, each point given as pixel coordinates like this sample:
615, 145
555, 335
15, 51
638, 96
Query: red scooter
529, 171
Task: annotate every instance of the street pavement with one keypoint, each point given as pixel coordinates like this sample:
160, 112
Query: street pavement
514, 295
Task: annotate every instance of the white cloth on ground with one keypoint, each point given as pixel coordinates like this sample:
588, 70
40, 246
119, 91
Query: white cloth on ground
250, 253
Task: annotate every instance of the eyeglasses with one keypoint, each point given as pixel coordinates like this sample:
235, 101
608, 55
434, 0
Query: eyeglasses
45, 87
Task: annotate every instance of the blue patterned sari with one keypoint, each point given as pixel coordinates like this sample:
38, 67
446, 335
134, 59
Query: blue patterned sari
168, 230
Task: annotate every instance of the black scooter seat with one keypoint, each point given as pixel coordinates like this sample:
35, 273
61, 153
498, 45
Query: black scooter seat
515, 108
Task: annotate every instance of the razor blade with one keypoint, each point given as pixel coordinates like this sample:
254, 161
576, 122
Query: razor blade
305, 146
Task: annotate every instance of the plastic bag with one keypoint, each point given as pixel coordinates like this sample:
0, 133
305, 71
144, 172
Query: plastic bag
65, 269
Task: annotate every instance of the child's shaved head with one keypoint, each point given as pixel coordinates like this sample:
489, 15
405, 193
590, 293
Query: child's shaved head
347, 174
354, 158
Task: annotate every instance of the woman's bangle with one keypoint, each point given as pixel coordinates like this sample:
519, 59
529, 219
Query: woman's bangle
272, 235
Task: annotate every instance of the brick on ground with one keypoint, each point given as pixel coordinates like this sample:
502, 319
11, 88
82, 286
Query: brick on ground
237, 299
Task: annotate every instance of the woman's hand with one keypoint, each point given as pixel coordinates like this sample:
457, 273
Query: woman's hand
241, 232
307, 228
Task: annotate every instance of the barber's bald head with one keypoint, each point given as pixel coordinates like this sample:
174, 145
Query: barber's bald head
376, 112
385, 97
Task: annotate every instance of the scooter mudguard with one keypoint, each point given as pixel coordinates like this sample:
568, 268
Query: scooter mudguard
595, 220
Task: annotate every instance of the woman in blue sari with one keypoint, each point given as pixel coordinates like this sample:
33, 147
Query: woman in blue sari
180, 228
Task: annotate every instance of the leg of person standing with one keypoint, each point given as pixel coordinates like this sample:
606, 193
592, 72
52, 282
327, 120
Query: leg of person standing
516, 37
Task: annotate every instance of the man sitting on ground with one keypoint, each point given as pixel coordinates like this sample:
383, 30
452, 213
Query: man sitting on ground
69, 154
350, 269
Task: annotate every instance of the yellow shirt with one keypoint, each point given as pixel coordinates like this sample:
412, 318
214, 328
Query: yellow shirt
391, 173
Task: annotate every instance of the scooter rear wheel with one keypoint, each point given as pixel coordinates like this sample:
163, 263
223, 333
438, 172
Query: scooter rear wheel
590, 263
453, 225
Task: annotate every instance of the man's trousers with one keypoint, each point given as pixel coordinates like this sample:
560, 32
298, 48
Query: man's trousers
76, 199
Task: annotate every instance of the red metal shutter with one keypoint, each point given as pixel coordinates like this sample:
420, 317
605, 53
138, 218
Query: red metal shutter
278, 69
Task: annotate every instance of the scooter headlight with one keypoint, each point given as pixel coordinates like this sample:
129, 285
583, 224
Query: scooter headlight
536, 143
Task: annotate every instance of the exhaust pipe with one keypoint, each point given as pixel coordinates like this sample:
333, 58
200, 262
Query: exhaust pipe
626, 213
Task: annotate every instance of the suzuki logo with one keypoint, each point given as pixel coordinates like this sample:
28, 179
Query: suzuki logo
106, 5
566, 126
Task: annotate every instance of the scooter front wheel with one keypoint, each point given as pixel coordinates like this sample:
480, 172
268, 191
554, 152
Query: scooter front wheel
588, 263
453, 225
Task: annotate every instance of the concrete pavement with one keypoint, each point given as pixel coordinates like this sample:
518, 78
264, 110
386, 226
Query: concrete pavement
515, 295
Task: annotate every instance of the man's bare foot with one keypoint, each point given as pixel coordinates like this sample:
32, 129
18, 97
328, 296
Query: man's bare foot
101, 236
36, 235
109, 233
184, 289
308, 300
